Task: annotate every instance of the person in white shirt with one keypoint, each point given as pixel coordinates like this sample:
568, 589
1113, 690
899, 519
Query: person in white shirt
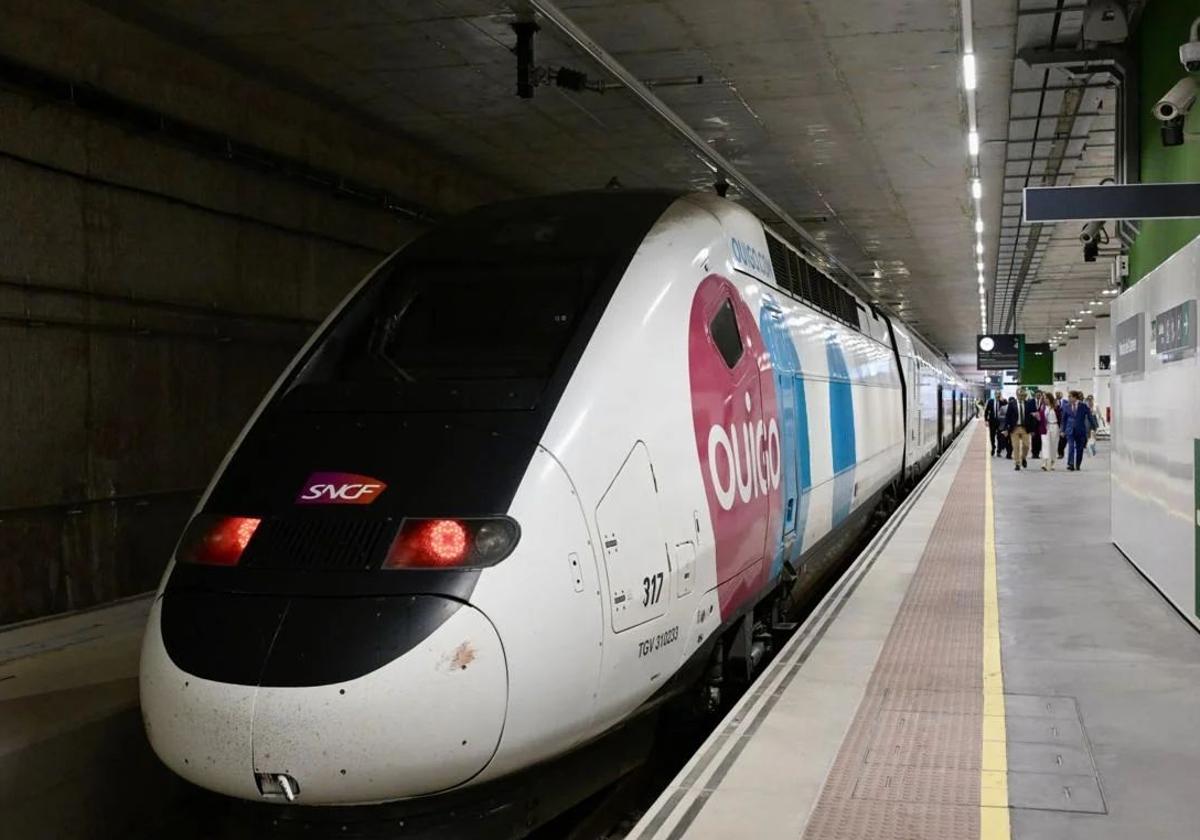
1050, 426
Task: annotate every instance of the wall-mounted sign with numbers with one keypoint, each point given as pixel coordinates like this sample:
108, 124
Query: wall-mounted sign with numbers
1175, 332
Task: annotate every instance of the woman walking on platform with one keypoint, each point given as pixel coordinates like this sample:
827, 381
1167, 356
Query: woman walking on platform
1048, 412
1093, 424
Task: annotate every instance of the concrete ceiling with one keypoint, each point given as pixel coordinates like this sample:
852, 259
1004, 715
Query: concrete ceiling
1061, 131
847, 113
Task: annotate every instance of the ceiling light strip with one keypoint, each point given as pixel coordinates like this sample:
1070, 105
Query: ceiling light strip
970, 75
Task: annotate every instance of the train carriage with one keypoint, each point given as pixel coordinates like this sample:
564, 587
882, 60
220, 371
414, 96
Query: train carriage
547, 463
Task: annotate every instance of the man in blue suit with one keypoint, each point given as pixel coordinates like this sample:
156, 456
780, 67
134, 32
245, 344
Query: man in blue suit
1063, 409
1079, 425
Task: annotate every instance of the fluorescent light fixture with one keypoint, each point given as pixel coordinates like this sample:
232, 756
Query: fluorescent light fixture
979, 248
969, 80
979, 225
973, 142
976, 188
979, 265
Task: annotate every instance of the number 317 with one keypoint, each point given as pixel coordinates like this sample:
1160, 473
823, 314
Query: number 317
652, 589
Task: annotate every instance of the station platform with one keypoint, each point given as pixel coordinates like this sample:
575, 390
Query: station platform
990, 666
73, 759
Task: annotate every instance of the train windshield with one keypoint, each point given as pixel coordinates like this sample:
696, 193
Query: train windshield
481, 321
485, 312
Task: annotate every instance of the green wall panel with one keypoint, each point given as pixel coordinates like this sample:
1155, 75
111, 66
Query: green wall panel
1037, 365
1165, 24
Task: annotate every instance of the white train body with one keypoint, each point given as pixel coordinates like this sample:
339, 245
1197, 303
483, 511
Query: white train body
702, 433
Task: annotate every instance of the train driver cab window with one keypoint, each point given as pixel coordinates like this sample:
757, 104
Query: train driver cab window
724, 331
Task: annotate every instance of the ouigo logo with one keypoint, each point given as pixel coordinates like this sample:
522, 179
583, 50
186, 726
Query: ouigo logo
339, 488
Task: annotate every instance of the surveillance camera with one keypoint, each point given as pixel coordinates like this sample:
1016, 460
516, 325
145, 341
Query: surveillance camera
1178, 100
1189, 53
1091, 232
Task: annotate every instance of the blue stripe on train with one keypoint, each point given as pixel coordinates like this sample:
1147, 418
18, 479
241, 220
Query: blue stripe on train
841, 429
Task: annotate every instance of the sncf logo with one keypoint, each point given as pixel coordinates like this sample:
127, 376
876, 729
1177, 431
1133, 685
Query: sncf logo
338, 488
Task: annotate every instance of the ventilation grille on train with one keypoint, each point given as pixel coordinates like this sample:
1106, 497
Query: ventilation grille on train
296, 542
801, 279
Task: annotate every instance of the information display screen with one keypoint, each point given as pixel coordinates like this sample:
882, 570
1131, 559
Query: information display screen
999, 351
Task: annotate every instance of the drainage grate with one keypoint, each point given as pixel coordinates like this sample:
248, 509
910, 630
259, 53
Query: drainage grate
308, 543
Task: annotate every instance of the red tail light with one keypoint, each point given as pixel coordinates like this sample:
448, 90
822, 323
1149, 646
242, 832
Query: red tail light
216, 540
452, 543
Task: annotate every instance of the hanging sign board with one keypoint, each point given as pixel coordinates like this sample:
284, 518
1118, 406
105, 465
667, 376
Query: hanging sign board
998, 351
1112, 201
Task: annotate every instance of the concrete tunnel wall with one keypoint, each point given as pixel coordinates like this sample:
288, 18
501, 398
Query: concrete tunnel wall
149, 294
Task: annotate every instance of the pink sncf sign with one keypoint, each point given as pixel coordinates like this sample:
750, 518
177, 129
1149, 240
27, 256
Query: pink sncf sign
735, 419
339, 488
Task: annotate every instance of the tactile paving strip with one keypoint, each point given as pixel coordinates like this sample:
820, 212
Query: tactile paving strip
909, 767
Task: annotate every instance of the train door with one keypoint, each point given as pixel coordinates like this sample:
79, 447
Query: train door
941, 416
641, 586
635, 551
916, 426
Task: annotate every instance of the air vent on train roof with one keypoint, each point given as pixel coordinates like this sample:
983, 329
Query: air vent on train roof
795, 275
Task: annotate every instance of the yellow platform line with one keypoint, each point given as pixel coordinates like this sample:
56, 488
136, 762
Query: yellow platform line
993, 773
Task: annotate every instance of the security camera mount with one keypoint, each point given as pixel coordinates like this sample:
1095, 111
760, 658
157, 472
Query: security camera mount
1093, 236
1189, 53
1172, 131
531, 76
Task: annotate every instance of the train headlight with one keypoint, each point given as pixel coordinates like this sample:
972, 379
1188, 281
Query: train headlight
212, 540
495, 539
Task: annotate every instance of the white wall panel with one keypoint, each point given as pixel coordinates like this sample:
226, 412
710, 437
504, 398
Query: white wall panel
1155, 423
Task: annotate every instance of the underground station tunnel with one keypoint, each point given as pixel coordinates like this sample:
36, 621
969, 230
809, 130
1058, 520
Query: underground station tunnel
599, 419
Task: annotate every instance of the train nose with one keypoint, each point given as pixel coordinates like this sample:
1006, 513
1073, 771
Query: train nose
358, 700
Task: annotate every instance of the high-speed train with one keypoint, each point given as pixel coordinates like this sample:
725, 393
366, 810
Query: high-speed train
554, 461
